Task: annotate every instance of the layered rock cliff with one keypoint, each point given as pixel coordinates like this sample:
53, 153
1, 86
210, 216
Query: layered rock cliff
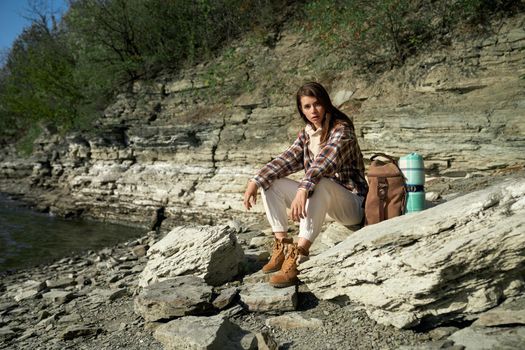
190, 142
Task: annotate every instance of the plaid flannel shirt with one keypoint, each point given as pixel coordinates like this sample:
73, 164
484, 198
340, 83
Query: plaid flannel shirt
339, 159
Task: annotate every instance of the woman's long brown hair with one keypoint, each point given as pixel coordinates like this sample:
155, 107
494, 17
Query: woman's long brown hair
333, 115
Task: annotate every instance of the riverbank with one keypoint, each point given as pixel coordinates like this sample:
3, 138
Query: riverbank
87, 301
29, 238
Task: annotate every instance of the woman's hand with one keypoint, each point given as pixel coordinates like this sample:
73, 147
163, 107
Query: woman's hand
298, 206
250, 196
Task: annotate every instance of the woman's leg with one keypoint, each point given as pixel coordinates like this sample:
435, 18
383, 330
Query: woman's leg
328, 198
346, 207
333, 199
275, 200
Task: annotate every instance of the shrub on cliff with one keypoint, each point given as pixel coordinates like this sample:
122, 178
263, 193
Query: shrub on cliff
382, 34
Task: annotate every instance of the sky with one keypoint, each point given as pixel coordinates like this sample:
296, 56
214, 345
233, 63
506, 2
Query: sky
12, 19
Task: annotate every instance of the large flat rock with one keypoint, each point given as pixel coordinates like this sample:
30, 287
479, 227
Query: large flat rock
459, 258
499, 328
176, 297
210, 252
480, 338
200, 333
262, 297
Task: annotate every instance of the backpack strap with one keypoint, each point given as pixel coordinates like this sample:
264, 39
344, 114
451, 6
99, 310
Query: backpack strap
392, 160
382, 190
383, 155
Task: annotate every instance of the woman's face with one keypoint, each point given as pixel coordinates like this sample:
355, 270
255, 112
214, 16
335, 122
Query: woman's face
313, 110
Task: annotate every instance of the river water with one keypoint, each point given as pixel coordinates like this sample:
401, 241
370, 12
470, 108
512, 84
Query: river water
28, 238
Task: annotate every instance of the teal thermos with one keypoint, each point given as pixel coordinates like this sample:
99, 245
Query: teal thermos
414, 171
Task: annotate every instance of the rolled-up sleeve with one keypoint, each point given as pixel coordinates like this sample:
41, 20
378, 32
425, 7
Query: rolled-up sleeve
288, 162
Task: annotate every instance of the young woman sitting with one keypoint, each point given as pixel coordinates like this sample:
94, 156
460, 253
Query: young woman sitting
333, 183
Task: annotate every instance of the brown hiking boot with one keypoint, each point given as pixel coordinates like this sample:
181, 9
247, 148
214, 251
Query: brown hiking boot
287, 276
277, 258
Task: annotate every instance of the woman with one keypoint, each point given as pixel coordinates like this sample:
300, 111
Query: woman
333, 184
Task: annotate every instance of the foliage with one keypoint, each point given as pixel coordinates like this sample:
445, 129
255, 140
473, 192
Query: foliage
25, 144
36, 81
128, 39
65, 73
382, 34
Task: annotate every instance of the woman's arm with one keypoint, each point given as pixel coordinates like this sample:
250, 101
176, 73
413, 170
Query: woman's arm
288, 162
250, 196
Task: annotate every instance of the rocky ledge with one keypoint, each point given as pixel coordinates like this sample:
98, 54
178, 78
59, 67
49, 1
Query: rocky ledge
188, 146
448, 262
451, 275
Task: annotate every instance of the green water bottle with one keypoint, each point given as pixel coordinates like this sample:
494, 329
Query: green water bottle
414, 171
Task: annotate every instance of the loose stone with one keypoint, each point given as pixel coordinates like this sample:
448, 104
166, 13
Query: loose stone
225, 298
212, 253
262, 297
140, 250
58, 297
176, 297
61, 283
6, 334
192, 332
76, 331
293, 320
265, 341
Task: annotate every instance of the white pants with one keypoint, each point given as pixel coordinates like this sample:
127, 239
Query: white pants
328, 198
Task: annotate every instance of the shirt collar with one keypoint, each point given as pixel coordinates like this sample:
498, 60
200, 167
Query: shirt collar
311, 132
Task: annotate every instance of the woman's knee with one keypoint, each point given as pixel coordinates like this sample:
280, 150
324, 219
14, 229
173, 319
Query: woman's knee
281, 188
321, 195
285, 185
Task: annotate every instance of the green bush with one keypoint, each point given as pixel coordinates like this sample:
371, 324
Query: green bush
36, 81
24, 145
138, 38
382, 34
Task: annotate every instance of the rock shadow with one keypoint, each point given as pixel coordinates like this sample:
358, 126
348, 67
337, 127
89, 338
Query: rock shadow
430, 322
306, 301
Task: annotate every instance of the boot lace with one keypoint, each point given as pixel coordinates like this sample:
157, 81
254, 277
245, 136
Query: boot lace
277, 248
290, 263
